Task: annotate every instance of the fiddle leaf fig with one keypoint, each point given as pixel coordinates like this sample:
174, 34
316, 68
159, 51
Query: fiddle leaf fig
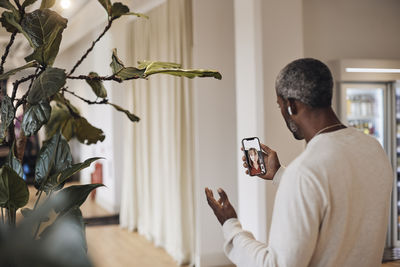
97, 85
74, 196
46, 85
44, 28
14, 192
131, 116
13, 162
47, 4
53, 158
35, 117
59, 179
6, 75
7, 116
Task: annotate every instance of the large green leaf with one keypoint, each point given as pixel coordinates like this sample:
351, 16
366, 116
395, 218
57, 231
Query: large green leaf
47, 4
74, 196
35, 117
148, 68
44, 28
54, 157
60, 120
97, 85
131, 116
46, 85
28, 3
13, 162
59, 179
13, 71
14, 192
87, 133
7, 116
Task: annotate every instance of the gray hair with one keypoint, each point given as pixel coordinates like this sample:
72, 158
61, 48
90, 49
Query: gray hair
307, 80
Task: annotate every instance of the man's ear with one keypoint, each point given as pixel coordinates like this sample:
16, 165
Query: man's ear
291, 104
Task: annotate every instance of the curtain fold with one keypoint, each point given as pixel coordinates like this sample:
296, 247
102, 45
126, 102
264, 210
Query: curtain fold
158, 185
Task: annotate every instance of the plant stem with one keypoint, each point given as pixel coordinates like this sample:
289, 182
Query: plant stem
3, 58
2, 215
104, 101
97, 78
91, 48
37, 200
18, 82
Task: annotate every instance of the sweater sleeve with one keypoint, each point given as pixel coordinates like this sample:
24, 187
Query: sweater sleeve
294, 229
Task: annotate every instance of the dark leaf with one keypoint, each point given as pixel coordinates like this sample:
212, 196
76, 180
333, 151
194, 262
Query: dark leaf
116, 64
118, 9
74, 196
131, 116
120, 71
7, 5
7, 116
5, 76
44, 28
107, 5
87, 133
58, 179
47, 4
14, 192
97, 85
46, 54
53, 158
46, 85
9, 21
13, 162
28, 3
35, 117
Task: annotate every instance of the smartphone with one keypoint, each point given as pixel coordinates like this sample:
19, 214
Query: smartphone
254, 156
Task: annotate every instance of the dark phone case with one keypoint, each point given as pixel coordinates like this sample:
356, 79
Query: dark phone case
247, 156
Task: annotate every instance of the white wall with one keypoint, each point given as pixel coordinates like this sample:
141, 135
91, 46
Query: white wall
215, 121
351, 29
282, 43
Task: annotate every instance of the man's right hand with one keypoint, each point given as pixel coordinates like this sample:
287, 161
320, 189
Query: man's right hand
271, 161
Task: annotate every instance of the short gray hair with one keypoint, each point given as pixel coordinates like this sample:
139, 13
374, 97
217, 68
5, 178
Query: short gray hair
307, 80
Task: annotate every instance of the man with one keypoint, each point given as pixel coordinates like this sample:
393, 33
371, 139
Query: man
332, 203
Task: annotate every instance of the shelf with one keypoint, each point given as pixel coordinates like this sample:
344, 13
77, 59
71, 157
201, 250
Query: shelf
362, 118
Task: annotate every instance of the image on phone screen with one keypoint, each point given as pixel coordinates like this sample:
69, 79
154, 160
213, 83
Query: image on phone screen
254, 156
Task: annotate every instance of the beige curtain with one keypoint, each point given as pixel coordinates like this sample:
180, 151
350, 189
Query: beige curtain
158, 193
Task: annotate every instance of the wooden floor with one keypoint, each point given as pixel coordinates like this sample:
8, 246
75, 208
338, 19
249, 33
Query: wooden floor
113, 246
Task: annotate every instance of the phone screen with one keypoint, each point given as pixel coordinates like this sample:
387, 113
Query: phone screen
254, 156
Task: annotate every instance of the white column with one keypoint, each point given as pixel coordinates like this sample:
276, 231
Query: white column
250, 111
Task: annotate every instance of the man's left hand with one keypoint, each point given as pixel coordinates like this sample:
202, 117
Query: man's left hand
222, 208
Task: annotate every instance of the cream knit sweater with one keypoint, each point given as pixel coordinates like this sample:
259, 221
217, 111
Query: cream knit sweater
331, 208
